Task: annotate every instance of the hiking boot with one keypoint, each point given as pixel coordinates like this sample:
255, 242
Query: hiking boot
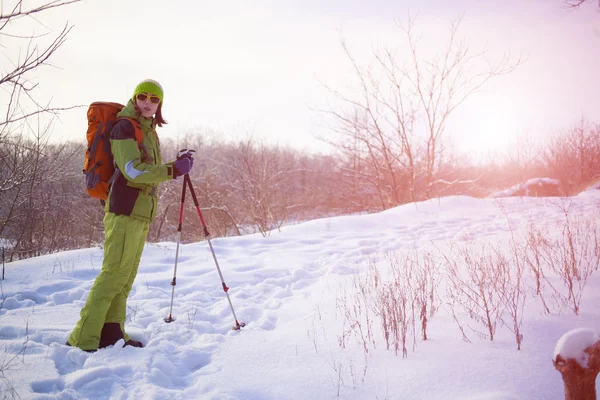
110, 335
133, 343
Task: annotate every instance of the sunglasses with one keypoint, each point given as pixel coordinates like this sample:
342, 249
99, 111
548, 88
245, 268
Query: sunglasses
144, 97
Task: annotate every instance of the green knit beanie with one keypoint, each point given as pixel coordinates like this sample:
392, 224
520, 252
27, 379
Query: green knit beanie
149, 86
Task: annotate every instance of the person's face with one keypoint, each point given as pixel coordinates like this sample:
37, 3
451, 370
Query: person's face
147, 104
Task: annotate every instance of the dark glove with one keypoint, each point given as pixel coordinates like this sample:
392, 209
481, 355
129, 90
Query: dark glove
182, 166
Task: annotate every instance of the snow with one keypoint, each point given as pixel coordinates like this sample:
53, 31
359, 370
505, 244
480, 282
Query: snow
525, 187
288, 287
573, 343
594, 186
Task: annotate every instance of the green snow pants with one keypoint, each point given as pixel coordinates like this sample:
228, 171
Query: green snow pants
107, 300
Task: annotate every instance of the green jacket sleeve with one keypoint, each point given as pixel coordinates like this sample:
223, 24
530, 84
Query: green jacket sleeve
128, 158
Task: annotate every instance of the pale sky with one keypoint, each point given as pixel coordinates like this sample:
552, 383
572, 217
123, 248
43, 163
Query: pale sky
239, 68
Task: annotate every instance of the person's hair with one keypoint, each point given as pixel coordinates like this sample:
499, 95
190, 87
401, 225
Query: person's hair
158, 117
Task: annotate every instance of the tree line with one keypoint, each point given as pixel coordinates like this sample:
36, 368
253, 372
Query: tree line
249, 186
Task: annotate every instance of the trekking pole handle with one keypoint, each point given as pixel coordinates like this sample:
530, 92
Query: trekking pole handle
185, 153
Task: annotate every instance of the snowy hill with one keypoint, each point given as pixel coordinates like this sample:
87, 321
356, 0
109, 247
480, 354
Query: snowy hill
297, 290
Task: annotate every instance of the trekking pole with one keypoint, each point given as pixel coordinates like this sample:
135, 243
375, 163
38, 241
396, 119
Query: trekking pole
188, 181
181, 154
174, 281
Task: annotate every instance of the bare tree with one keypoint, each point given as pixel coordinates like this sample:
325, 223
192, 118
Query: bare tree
522, 161
444, 83
512, 291
426, 281
26, 157
16, 82
396, 122
573, 156
261, 178
475, 278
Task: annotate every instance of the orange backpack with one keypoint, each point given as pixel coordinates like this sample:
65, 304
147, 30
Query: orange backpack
98, 165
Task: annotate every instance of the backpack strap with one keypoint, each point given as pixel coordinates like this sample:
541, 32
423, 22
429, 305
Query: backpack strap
139, 138
139, 134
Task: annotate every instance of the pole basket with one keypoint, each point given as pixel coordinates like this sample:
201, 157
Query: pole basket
238, 326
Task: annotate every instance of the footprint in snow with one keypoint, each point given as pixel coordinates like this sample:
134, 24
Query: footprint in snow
48, 386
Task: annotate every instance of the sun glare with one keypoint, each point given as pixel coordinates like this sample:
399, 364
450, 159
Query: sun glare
494, 135
490, 124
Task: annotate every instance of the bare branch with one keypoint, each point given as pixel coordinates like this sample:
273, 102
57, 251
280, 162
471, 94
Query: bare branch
574, 4
18, 12
40, 111
34, 59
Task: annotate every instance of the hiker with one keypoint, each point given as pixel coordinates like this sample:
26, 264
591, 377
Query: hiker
130, 208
